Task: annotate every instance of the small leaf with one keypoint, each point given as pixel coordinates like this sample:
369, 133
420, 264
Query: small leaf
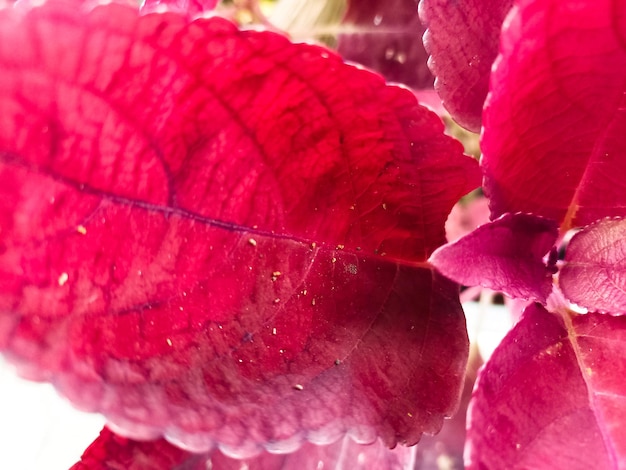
549, 384
218, 236
594, 270
462, 38
504, 255
554, 122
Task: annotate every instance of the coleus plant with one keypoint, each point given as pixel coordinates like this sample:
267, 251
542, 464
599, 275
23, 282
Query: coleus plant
233, 246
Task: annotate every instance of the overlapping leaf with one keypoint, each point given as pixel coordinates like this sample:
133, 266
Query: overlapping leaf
505, 255
552, 395
554, 124
387, 38
462, 39
112, 451
594, 272
216, 235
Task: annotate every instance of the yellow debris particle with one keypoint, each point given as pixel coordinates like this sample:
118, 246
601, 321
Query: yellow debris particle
341, 247
252, 241
313, 302
169, 342
298, 387
81, 229
63, 279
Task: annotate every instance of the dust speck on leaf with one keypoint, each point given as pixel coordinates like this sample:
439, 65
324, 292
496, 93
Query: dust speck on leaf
63, 279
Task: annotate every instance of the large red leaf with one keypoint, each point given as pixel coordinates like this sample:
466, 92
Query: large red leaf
110, 451
387, 38
505, 255
594, 270
217, 235
462, 38
552, 395
554, 123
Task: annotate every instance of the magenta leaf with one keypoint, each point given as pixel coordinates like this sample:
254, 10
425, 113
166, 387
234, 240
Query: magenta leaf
552, 382
462, 38
218, 236
554, 123
505, 255
387, 39
594, 271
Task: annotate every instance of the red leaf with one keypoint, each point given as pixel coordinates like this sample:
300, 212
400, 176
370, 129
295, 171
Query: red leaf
193, 220
593, 274
110, 451
554, 123
549, 384
462, 38
388, 39
505, 255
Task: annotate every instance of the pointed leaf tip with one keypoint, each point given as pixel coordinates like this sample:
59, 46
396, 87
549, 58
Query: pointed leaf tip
504, 255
